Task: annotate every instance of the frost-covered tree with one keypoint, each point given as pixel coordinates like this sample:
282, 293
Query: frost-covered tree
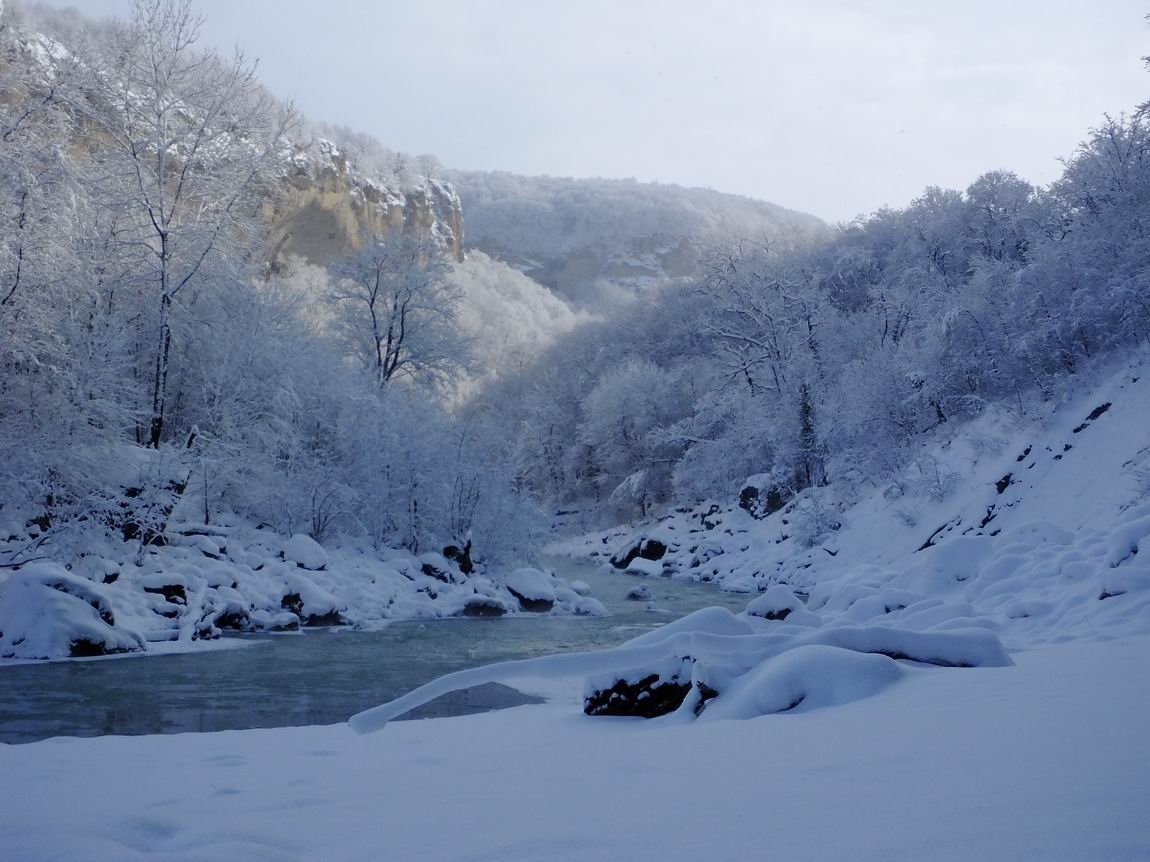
396, 311
182, 138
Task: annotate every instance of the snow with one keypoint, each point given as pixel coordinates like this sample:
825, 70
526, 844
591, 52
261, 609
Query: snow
234, 576
1043, 761
531, 584
805, 678
779, 603
47, 613
305, 552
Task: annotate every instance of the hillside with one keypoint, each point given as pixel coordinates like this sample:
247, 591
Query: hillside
592, 239
1031, 527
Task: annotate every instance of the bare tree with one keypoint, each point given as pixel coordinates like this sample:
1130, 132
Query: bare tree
186, 137
397, 312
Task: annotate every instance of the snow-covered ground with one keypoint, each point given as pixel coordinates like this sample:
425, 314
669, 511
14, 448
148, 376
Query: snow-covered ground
1042, 761
863, 706
1030, 528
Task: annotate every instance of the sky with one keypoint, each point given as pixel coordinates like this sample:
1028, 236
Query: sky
834, 107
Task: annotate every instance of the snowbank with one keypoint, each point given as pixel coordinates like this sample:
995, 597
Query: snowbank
232, 576
47, 613
1045, 761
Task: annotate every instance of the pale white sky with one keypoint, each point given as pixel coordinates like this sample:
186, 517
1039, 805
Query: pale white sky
835, 107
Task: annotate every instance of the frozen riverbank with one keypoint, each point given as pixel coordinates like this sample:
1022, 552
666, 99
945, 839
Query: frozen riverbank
1043, 761
319, 676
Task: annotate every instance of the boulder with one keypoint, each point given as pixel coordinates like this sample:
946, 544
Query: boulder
483, 606
532, 588
47, 613
640, 593
305, 552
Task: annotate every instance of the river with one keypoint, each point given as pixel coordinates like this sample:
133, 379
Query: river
322, 676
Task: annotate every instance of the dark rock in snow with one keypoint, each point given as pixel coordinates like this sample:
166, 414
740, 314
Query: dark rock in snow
534, 606
648, 549
84, 648
177, 594
234, 619
649, 697
479, 606
461, 557
1094, 414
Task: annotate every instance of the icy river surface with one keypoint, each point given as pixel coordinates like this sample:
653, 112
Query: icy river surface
322, 676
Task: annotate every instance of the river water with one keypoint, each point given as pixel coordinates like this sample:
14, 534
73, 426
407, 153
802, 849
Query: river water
324, 676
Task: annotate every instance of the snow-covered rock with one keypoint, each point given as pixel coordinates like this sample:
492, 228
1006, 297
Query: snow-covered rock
640, 593
779, 603
305, 552
534, 589
46, 613
804, 678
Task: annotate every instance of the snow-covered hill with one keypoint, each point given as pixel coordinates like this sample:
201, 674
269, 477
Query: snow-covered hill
1029, 526
591, 240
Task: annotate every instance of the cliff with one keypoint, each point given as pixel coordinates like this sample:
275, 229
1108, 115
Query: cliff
323, 207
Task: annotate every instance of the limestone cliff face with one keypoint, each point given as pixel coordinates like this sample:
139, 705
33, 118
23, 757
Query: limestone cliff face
322, 209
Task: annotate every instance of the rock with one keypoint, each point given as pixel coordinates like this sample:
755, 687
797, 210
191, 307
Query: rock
436, 566
305, 552
46, 613
482, 606
760, 497
644, 548
314, 605
779, 603
177, 594
641, 593
267, 621
532, 588
581, 588
645, 693
461, 557
233, 619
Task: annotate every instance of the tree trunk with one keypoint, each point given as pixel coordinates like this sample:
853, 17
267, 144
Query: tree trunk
160, 381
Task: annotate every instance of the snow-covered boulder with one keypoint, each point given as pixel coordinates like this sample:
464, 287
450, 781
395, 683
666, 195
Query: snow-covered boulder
47, 613
581, 588
806, 677
640, 593
646, 568
779, 603
305, 552
646, 692
484, 606
534, 589
439, 567
314, 605
646, 547
261, 620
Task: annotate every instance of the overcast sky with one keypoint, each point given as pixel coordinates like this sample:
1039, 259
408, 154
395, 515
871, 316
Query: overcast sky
834, 107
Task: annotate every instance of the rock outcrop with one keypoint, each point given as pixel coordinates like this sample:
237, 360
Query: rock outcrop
323, 208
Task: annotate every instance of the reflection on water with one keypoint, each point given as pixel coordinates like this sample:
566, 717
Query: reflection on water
320, 677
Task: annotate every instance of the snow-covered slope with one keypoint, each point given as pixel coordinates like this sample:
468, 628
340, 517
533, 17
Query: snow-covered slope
1032, 525
593, 239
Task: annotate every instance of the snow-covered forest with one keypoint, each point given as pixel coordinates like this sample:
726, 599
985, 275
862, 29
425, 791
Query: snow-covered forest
261, 373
